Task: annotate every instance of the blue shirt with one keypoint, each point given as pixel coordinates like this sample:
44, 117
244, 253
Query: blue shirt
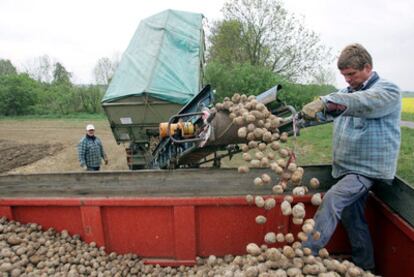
366, 135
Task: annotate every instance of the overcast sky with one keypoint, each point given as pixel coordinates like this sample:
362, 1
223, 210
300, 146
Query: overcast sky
79, 32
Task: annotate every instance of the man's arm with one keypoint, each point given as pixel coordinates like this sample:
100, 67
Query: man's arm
375, 102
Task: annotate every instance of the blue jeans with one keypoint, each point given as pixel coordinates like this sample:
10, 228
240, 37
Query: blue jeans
345, 201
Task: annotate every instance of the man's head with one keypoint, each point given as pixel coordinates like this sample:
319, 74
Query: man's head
355, 64
90, 130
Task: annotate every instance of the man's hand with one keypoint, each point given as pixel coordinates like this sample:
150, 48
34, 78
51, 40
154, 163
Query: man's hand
311, 109
106, 161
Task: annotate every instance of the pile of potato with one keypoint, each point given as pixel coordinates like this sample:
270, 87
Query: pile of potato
26, 250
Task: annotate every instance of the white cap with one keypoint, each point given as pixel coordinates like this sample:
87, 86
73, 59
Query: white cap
90, 127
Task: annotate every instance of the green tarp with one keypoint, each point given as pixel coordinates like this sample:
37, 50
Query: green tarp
164, 59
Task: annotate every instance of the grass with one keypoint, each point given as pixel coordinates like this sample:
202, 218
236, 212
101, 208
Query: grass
407, 116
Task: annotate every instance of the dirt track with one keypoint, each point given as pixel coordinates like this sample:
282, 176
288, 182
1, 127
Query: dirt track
30, 146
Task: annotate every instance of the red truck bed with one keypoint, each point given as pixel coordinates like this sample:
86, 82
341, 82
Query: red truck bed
170, 217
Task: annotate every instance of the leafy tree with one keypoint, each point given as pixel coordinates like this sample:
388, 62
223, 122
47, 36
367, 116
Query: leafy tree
17, 94
263, 33
7, 68
61, 75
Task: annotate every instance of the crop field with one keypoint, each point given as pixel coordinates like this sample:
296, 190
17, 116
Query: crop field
408, 105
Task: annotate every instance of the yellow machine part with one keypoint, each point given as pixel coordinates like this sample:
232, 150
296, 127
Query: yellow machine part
187, 129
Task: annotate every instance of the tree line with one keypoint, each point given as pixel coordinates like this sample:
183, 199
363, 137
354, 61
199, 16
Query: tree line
256, 45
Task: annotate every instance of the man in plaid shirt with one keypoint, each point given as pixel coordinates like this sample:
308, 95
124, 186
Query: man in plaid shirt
91, 151
366, 142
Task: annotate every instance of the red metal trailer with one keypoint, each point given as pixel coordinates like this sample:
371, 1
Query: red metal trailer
171, 217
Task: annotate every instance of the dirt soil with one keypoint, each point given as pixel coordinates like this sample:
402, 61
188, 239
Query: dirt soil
45, 146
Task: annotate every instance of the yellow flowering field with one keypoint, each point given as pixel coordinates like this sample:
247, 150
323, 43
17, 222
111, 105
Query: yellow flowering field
408, 105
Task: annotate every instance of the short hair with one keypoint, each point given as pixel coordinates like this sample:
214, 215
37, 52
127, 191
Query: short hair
354, 56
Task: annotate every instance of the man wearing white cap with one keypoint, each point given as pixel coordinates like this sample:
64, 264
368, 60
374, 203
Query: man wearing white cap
91, 151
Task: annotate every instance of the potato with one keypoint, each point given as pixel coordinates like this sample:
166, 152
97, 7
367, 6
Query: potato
242, 132
273, 254
258, 181
262, 146
284, 137
307, 228
259, 155
255, 163
281, 162
314, 183
307, 251
288, 251
252, 144
260, 219
283, 152
297, 221
251, 127
264, 162
250, 199
236, 98
250, 136
289, 238
300, 191
245, 148
238, 121
286, 208
323, 253
278, 170
288, 198
267, 136
247, 157
270, 238
259, 201
316, 235
292, 167
310, 221
266, 178
269, 204
298, 211
302, 236
253, 249
277, 189
275, 145
316, 199
270, 155
296, 177
258, 133
243, 169
280, 237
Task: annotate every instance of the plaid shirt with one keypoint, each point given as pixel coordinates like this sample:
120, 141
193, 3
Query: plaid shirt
90, 152
366, 136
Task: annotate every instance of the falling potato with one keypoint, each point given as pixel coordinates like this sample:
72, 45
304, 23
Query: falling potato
316, 199
314, 183
269, 204
260, 219
243, 169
